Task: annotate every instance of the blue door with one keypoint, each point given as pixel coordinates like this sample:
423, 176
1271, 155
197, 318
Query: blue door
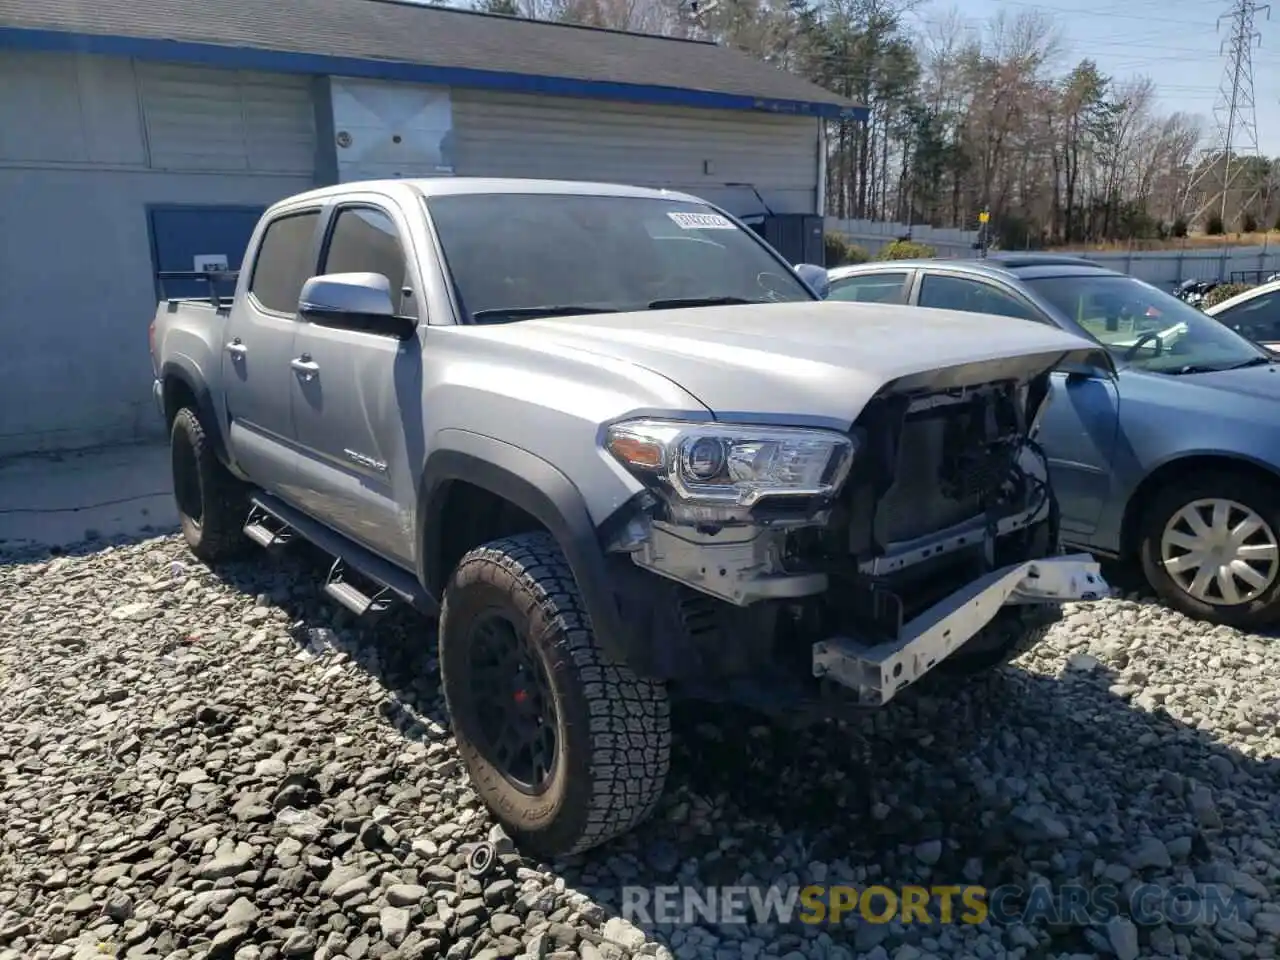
1078, 432
189, 238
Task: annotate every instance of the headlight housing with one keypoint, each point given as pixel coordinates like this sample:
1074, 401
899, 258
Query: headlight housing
714, 472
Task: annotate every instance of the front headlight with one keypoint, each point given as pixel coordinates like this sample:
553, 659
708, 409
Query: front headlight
718, 465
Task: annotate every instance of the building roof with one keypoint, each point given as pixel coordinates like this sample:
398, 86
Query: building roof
395, 40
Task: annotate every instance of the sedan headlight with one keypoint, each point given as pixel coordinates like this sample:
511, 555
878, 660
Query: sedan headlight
726, 469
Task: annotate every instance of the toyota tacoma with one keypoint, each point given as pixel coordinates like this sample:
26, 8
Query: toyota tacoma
622, 451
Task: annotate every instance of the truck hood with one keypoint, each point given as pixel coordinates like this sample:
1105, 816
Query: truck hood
814, 362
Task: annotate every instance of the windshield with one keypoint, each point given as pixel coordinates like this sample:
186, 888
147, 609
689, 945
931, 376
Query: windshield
514, 256
1146, 327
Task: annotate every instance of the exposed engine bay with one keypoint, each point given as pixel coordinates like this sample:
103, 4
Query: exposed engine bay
946, 488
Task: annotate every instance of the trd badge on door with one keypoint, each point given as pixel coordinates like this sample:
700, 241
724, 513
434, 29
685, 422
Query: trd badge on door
364, 461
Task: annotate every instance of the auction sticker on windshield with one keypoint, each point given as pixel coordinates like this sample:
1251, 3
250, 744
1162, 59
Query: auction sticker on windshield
700, 221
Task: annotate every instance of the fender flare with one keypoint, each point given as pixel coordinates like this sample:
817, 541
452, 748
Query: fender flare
540, 490
184, 371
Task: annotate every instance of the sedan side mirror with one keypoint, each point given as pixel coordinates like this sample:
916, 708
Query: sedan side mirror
1088, 365
360, 301
815, 278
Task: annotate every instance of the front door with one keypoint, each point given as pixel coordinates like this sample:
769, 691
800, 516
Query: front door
1078, 431
256, 357
358, 391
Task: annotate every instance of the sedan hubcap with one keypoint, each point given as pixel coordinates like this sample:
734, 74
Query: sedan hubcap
1220, 552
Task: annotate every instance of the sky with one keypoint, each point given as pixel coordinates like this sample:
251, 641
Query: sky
1174, 42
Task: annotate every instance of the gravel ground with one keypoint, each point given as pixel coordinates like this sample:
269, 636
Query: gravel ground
204, 765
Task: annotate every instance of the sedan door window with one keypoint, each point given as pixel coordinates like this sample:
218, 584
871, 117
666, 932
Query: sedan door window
972, 296
1258, 319
869, 288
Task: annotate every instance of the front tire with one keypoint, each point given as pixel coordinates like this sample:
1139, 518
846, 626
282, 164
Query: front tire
212, 504
566, 748
1210, 548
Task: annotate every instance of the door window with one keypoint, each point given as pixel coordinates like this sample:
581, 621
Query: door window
365, 240
284, 262
972, 296
869, 288
1258, 319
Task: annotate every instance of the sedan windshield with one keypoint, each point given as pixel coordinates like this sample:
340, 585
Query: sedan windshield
1145, 327
518, 256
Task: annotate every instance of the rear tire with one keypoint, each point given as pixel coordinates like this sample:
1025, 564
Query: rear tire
596, 737
1167, 531
212, 504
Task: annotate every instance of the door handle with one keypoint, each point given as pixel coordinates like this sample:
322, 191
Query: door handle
305, 366
237, 349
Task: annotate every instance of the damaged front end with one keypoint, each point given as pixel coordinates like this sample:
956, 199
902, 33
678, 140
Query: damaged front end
787, 560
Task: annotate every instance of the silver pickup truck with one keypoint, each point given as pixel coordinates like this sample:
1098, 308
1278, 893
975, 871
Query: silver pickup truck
623, 451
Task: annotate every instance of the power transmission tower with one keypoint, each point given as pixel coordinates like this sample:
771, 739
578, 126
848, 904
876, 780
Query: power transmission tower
1235, 115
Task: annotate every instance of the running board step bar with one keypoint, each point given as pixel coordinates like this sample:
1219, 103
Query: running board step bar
265, 530
394, 583
352, 597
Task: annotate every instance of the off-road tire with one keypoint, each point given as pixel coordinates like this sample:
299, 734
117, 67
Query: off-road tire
1259, 496
613, 727
218, 532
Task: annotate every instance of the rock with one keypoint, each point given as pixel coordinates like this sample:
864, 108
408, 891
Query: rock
405, 894
242, 913
80, 905
227, 864
1150, 852
1122, 935
299, 943
241, 772
929, 852
394, 923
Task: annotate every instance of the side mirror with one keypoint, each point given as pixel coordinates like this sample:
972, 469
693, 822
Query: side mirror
1088, 365
358, 300
815, 279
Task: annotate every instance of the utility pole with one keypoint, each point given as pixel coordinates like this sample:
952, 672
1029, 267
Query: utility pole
1235, 115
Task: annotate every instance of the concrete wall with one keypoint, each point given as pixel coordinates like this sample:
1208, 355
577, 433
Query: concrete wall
86, 144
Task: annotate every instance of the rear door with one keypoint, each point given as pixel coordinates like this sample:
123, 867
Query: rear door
361, 388
256, 374
1080, 421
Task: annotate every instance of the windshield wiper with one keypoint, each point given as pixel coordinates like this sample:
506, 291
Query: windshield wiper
1209, 368
1252, 362
498, 314
678, 302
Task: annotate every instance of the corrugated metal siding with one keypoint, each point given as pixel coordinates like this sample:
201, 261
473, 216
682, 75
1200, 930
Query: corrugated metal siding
701, 151
205, 119
56, 108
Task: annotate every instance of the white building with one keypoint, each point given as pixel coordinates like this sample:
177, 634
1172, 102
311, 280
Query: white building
147, 136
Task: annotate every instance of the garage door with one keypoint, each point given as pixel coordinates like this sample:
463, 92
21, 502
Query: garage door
199, 238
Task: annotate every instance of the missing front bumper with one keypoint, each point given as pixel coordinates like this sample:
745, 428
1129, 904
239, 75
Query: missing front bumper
877, 673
